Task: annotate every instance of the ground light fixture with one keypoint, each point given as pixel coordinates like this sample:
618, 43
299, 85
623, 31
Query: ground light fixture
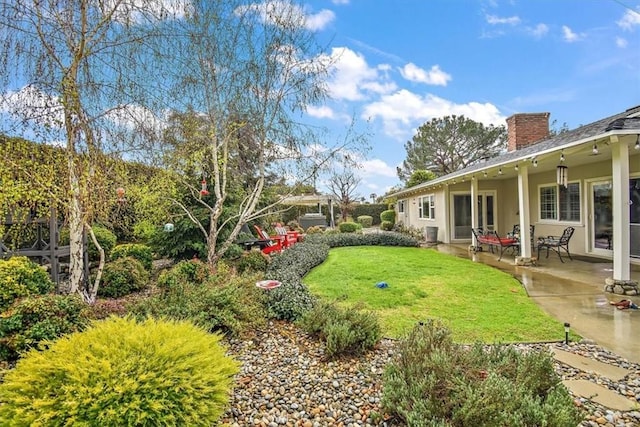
567, 326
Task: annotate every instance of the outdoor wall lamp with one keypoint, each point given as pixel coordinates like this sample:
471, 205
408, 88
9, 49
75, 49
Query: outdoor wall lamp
567, 326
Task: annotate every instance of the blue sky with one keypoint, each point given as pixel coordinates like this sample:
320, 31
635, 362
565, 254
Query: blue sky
401, 63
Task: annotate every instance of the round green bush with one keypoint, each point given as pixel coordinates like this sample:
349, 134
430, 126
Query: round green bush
347, 227
365, 220
123, 277
120, 372
188, 272
388, 215
38, 318
386, 225
20, 277
144, 231
135, 250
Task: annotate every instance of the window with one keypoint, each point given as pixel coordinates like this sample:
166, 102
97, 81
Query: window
400, 206
558, 203
427, 207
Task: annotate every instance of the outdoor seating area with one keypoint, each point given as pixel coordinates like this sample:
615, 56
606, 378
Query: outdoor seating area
493, 240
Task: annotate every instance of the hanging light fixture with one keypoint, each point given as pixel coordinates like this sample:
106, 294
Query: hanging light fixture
637, 146
500, 171
535, 163
484, 174
516, 168
562, 175
594, 150
561, 157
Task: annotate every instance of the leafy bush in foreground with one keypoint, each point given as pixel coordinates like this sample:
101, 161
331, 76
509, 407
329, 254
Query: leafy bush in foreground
433, 381
20, 277
120, 372
345, 330
38, 318
348, 227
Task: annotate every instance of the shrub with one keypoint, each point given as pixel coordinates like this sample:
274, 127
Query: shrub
344, 330
37, 318
370, 209
123, 277
135, 250
289, 301
185, 272
314, 229
20, 277
228, 307
119, 372
253, 261
432, 380
347, 227
386, 225
388, 215
234, 252
144, 231
105, 237
365, 220
372, 239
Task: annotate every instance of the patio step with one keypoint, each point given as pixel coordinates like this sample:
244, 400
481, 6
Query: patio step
590, 390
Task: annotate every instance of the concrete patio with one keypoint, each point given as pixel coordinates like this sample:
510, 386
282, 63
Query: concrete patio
573, 292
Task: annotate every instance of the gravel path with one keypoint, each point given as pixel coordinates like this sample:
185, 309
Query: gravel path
285, 381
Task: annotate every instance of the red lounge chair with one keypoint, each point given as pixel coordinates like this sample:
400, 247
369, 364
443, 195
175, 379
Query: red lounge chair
272, 243
290, 237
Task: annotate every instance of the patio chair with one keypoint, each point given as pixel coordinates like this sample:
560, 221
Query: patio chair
291, 237
556, 243
516, 232
272, 243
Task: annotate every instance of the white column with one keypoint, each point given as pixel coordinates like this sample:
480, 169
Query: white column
620, 189
474, 209
523, 207
447, 213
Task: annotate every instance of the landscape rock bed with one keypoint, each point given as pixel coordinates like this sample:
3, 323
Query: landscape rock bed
285, 380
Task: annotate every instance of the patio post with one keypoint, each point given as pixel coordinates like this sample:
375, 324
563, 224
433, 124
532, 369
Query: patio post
523, 208
474, 210
621, 217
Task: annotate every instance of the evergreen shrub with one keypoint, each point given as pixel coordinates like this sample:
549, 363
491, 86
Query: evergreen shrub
38, 318
185, 272
123, 277
348, 227
135, 250
144, 231
120, 372
346, 331
433, 381
314, 229
388, 215
372, 239
386, 225
20, 277
253, 261
365, 220
105, 237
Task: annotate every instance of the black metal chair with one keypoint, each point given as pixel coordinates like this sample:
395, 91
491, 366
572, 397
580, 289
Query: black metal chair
516, 233
557, 243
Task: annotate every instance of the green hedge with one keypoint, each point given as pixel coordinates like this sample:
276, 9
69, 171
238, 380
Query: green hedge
388, 215
370, 239
365, 220
20, 277
373, 210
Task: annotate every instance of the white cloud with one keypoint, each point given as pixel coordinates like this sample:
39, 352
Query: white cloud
322, 112
570, 36
496, 20
539, 30
352, 78
31, 104
621, 42
281, 13
136, 117
377, 167
435, 76
402, 111
140, 11
630, 20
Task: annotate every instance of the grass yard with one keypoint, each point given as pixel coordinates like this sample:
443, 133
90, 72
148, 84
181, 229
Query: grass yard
479, 303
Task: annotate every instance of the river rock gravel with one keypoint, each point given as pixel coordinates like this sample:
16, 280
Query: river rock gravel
285, 380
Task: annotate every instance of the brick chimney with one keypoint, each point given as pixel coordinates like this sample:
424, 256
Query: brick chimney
526, 128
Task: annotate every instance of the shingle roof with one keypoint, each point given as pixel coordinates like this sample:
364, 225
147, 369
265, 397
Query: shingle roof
626, 120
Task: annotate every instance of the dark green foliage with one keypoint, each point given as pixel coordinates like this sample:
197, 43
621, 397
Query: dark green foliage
372, 239
234, 252
386, 226
135, 250
433, 381
253, 261
365, 220
289, 301
122, 373
37, 318
185, 272
348, 227
388, 215
185, 241
419, 176
346, 331
371, 209
20, 277
228, 304
123, 277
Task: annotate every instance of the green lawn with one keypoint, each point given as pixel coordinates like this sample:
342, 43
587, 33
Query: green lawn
479, 303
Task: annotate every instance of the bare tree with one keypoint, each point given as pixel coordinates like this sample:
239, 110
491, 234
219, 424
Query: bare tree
76, 72
247, 72
344, 186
